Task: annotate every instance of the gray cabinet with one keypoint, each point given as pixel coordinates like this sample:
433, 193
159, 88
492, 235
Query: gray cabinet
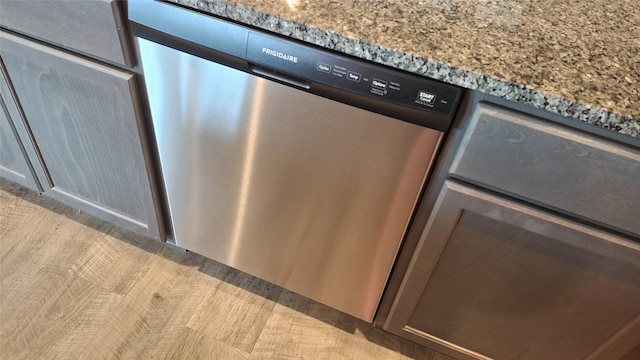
493, 278
585, 175
527, 244
93, 27
86, 124
14, 160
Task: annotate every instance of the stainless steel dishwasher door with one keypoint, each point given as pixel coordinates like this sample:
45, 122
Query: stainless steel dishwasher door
305, 192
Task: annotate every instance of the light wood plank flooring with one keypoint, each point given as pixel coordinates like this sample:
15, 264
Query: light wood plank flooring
75, 287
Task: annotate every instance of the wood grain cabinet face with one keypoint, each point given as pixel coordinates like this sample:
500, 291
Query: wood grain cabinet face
492, 278
542, 162
86, 124
14, 160
94, 27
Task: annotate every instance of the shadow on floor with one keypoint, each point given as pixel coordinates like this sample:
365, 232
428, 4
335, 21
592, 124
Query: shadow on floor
231, 276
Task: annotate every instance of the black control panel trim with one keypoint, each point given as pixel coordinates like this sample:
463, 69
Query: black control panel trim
352, 75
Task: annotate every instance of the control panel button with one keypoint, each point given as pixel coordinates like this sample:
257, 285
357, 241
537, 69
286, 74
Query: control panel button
324, 67
354, 76
379, 84
426, 98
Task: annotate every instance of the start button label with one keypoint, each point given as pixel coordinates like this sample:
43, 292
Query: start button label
426, 98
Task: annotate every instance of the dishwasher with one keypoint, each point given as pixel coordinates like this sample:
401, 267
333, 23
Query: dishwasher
292, 163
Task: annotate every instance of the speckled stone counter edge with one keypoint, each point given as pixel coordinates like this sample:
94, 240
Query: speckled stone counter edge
421, 66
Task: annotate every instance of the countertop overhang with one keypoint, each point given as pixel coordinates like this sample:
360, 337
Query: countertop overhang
578, 59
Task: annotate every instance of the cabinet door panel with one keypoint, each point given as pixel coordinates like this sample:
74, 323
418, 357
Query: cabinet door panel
85, 122
492, 278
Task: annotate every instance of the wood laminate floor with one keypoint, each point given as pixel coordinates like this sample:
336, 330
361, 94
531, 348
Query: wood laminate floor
75, 287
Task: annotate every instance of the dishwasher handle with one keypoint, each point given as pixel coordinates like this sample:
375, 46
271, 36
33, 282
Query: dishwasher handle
279, 76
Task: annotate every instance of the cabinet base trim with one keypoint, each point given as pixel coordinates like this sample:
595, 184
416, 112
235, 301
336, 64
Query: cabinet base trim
92, 204
445, 343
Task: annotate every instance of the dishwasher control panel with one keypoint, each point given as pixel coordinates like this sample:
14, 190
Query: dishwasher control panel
353, 75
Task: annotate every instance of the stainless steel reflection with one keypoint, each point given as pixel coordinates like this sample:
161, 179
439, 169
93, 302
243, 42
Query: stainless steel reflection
308, 193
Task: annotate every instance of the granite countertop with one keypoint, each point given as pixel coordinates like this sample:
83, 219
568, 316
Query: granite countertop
579, 59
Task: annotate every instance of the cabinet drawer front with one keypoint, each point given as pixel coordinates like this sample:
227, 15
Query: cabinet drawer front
550, 165
94, 27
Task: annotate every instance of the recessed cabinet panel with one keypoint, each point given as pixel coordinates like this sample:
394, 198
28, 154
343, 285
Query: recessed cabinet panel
493, 278
85, 123
14, 164
95, 27
18, 160
561, 168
